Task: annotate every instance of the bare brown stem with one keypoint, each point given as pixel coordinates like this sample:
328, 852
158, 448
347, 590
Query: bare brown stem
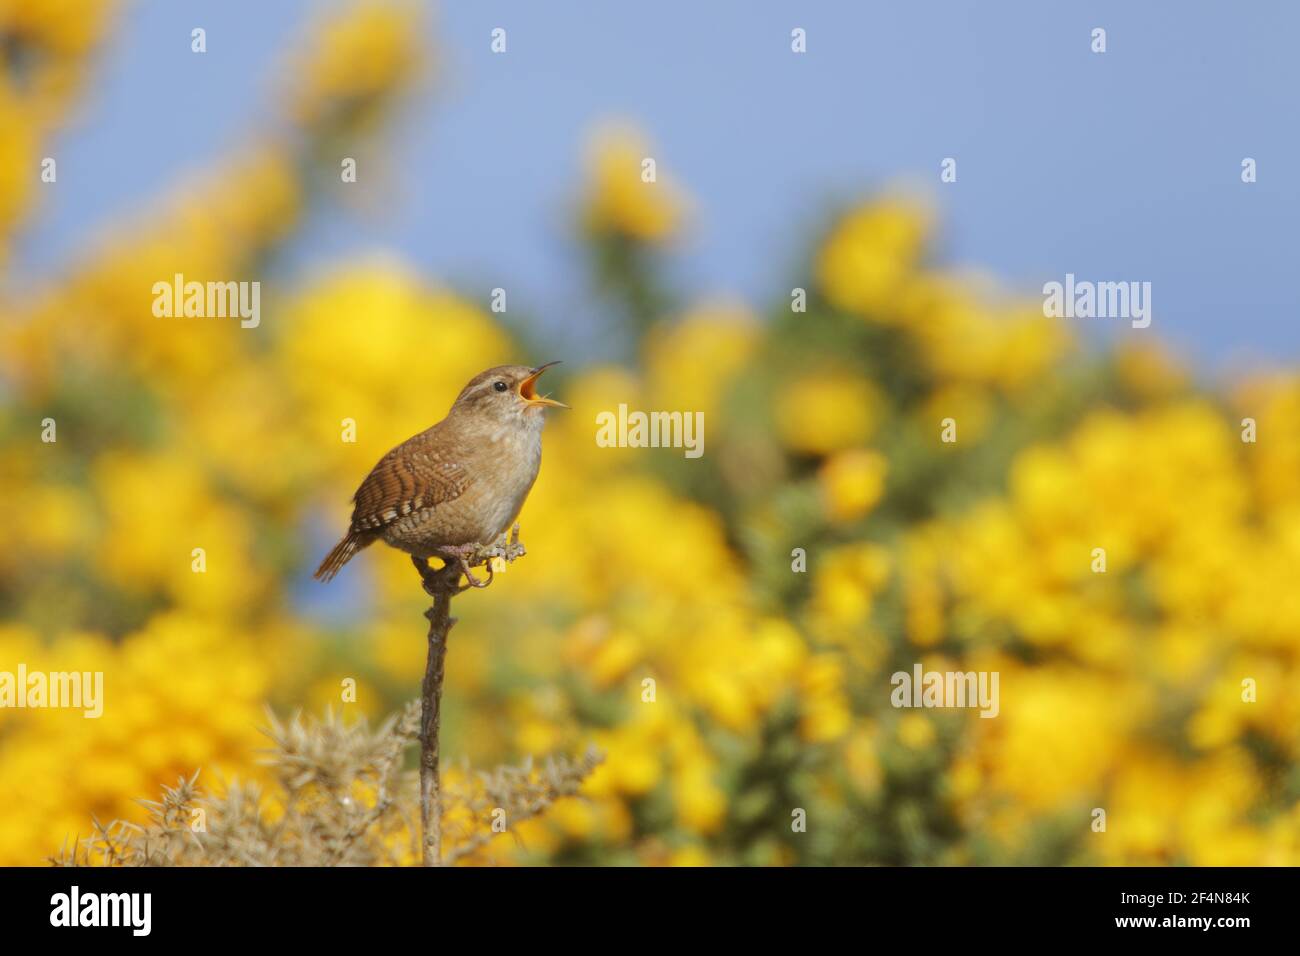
442, 584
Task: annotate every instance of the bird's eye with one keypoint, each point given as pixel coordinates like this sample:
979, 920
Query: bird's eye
500, 386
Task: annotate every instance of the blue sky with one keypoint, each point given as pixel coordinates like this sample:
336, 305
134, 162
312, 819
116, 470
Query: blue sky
1120, 166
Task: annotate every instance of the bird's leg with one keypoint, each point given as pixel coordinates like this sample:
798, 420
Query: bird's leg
462, 553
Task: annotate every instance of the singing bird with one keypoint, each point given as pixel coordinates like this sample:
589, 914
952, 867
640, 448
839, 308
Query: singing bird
454, 489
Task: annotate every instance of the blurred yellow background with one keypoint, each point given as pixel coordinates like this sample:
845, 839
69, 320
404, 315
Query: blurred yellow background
1120, 690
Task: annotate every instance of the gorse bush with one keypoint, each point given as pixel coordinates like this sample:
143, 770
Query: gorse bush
339, 797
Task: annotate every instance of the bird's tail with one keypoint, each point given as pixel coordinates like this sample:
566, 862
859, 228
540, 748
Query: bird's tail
340, 555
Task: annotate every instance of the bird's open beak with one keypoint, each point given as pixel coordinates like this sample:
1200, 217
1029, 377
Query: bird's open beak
528, 392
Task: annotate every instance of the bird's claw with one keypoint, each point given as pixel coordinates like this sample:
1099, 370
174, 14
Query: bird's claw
473, 581
466, 556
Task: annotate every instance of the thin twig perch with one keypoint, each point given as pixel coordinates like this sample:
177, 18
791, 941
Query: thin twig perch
442, 585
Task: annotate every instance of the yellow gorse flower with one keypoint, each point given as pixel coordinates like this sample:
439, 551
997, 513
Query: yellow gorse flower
622, 199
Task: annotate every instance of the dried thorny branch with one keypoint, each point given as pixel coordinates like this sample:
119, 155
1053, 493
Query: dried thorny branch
339, 797
510, 795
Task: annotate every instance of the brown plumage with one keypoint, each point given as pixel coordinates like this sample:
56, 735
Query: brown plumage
459, 485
